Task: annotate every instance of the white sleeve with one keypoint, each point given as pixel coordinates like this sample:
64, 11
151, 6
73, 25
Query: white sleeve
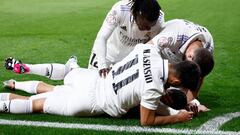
195, 101
165, 110
150, 99
110, 23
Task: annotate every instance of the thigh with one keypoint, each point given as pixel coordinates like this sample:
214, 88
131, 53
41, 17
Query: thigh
40, 96
81, 79
65, 101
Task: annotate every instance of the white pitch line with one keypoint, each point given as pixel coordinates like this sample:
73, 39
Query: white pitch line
113, 128
215, 123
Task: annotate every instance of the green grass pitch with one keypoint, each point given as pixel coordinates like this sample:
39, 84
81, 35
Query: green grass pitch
44, 31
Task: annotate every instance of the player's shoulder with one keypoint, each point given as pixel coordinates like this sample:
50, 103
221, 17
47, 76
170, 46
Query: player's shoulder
175, 22
146, 46
122, 6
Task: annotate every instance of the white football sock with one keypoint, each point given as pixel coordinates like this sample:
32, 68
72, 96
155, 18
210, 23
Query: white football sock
196, 102
4, 96
53, 71
16, 106
27, 86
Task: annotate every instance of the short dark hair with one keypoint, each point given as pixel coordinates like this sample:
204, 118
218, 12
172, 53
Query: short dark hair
188, 72
179, 98
149, 9
204, 59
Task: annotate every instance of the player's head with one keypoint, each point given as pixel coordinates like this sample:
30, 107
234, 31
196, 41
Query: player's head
145, 13
174, 98
189, 53
185, 74
202, 56
204, 59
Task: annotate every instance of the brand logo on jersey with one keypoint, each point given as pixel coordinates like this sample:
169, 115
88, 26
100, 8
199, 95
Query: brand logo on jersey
130, 41
147, 66
124, 28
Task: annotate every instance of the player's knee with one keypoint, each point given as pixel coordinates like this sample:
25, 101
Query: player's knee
57, 72
37, 105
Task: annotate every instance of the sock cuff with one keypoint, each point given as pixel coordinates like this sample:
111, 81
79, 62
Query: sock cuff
4, 96
28, 86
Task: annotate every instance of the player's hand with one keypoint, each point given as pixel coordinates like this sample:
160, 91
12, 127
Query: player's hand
103, 72
203, 108
193, 108
184, 116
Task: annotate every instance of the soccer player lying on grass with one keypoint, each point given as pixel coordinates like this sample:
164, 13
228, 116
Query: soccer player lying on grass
128, 23
138, 79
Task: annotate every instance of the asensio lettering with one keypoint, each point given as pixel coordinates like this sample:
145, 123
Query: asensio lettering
147, 66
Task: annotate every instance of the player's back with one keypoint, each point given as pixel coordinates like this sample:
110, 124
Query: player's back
177, 34
129, 79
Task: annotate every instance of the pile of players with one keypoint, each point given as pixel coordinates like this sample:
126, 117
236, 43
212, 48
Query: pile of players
138, 61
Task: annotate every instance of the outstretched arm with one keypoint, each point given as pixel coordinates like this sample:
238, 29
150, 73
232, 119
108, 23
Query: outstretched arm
149, 118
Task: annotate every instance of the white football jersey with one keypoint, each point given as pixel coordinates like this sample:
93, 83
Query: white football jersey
119, 34
177, 34
138, 78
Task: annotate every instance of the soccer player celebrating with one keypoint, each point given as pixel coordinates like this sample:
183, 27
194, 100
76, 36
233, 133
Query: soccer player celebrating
128, 23
139, 79
183, 40
177, 41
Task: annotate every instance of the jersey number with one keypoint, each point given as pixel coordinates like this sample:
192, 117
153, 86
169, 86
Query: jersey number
129, 79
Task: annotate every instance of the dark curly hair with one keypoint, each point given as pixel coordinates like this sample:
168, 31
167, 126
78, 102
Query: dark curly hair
149, 9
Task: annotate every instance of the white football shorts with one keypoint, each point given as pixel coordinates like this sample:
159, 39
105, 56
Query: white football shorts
77, 97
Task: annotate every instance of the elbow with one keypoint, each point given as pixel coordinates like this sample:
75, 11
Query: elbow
144, 124
147, 123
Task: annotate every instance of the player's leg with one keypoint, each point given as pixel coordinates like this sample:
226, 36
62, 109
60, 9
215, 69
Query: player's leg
11, 96
38, 105
66, 101
60, 102
33, 87
52, 71
22, 106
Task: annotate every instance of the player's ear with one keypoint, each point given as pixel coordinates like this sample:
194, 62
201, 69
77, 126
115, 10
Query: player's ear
175, 82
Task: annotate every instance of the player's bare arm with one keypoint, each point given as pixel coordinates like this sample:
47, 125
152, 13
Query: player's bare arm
149, 118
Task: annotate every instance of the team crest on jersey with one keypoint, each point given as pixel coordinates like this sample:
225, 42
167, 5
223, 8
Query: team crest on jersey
162, 41
111, 18
165, 41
